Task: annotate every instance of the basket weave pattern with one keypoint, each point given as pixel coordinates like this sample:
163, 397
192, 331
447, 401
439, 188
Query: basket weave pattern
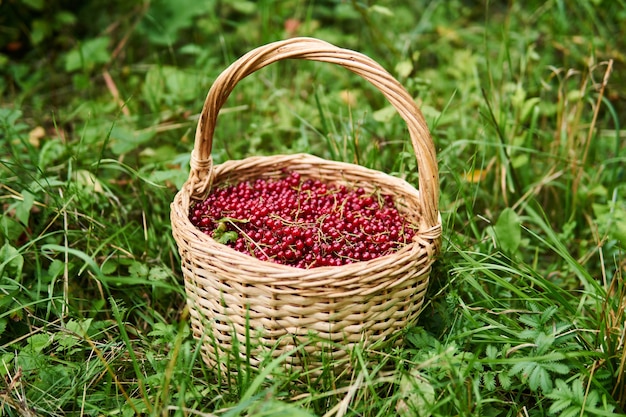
233, 297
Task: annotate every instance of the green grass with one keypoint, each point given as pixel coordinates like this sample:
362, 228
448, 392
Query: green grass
526, 103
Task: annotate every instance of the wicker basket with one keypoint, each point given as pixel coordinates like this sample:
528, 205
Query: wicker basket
244, 309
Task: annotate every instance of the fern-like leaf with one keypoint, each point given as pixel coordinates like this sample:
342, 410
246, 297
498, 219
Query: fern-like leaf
570, 400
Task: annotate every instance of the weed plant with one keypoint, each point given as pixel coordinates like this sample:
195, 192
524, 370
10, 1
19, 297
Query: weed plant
526, 103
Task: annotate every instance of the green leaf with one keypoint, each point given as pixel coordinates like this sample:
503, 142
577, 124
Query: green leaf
158, 273
419, 338
12, 262
89, 54
381, 10
520, 161
165, 18
175, 176
559, 405
10, 228
41, 29
5, 360
489, 380
109, 266
568, 399
56, 268
79, 327
50, 151
34, 4
221, 232
38, 342
404, 68
508, 231
162, 329
23, 208
153, 88
491, 352
548, 313
385, 114
544, 342
539, 377
180, 85
528, 106
77, 330
138, 269
538, 374
9, 118
126, 140
243, 6
228, 237
557, 367
505, 380
531, 320
65, 17
89, 181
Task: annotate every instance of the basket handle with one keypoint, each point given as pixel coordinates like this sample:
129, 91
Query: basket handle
317, 50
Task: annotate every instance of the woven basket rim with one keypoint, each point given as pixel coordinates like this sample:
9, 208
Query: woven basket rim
280, 271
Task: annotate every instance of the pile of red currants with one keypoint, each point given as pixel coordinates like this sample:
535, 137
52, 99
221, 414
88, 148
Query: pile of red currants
303, 223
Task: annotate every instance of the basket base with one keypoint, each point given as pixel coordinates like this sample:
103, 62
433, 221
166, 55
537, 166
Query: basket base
314, 358
227, 348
